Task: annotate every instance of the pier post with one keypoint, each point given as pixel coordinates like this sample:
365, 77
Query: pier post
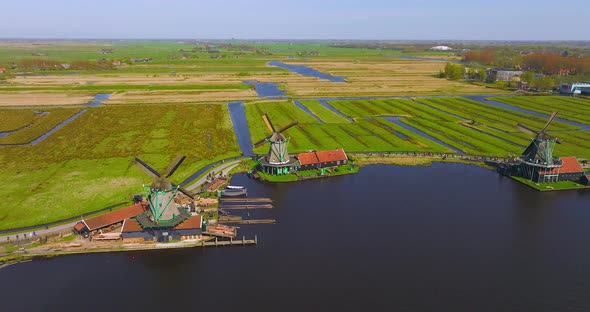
216, 241
244, 240
255, 239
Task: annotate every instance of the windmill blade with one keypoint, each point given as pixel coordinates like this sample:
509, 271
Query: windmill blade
146, 168
173, 165
261, 142
183, 191
549, 121
288, 126
268, 123
525, 129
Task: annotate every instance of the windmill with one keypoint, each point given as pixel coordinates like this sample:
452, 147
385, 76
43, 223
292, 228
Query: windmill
277, 154
278, 160
160, 195
540, 150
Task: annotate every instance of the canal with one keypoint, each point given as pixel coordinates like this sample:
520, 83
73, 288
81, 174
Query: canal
449, 237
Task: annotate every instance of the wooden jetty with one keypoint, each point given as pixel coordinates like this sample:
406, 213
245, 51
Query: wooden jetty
259, 221
227, 218
244, 207
246, 200
231, 242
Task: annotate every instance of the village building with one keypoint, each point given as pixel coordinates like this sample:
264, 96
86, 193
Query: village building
495, 74
575, 88
2, 70
570, 170
322, 159
441, 48
191, 228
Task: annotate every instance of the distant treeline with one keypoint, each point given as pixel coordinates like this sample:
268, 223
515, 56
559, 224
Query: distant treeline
539, 62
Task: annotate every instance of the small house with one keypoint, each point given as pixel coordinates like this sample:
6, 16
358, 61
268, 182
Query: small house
322, 159
2, 70
495, 74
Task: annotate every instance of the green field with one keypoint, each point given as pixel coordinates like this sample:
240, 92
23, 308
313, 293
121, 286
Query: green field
153, 114
81, 168
570, 108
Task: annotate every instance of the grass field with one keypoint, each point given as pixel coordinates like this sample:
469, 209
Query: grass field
81, 168
172, 106
570, 108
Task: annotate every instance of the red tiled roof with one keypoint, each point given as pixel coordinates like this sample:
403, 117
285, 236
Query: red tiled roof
307, 158
569, 165
131, 225
191, 223
80, 225
328, 156
321, 157
114, 216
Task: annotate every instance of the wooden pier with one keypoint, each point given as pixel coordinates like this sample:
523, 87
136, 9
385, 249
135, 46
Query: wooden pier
244, 207
231, 242
259, 221
246, 200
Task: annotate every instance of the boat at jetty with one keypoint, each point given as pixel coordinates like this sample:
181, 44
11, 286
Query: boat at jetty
232, 190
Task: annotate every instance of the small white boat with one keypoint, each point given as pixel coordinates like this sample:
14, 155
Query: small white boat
234, 191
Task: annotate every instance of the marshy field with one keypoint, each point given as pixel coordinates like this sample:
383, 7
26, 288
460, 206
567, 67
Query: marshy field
176, 103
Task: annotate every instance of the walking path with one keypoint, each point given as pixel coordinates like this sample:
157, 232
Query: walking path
224, 169
42, 232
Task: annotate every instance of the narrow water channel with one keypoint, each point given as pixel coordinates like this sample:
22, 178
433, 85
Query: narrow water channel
307, 110
397, 121
237, 113
97, 101
307, 71
483, 99
267, 90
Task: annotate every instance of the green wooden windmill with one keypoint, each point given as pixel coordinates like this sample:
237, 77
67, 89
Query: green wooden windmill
277, 160
163, 212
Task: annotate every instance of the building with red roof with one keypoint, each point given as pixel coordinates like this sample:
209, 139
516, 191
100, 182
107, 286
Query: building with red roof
322, 159
191, 228
110, 218
569, 170
2, 70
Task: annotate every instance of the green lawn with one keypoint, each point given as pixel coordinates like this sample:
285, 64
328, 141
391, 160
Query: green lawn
552, 186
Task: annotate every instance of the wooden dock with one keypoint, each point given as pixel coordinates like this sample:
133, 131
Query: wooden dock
259, 221
244, 207
246, 200
231, 242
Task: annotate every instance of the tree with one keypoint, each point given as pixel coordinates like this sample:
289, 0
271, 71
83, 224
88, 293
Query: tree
528, 77
544, 83
482, 75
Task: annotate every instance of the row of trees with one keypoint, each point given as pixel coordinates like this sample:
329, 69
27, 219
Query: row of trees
546, 63
554, 64
502, 58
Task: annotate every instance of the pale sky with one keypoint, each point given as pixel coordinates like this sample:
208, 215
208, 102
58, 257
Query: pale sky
301, 19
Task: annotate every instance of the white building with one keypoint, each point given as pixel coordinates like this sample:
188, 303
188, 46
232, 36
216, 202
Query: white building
441, 48
575, 88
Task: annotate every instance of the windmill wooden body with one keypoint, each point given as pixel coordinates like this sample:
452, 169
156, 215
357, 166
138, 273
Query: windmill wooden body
164, 212
537, 159
277, 161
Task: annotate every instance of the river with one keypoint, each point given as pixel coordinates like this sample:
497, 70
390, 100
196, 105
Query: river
449, 237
